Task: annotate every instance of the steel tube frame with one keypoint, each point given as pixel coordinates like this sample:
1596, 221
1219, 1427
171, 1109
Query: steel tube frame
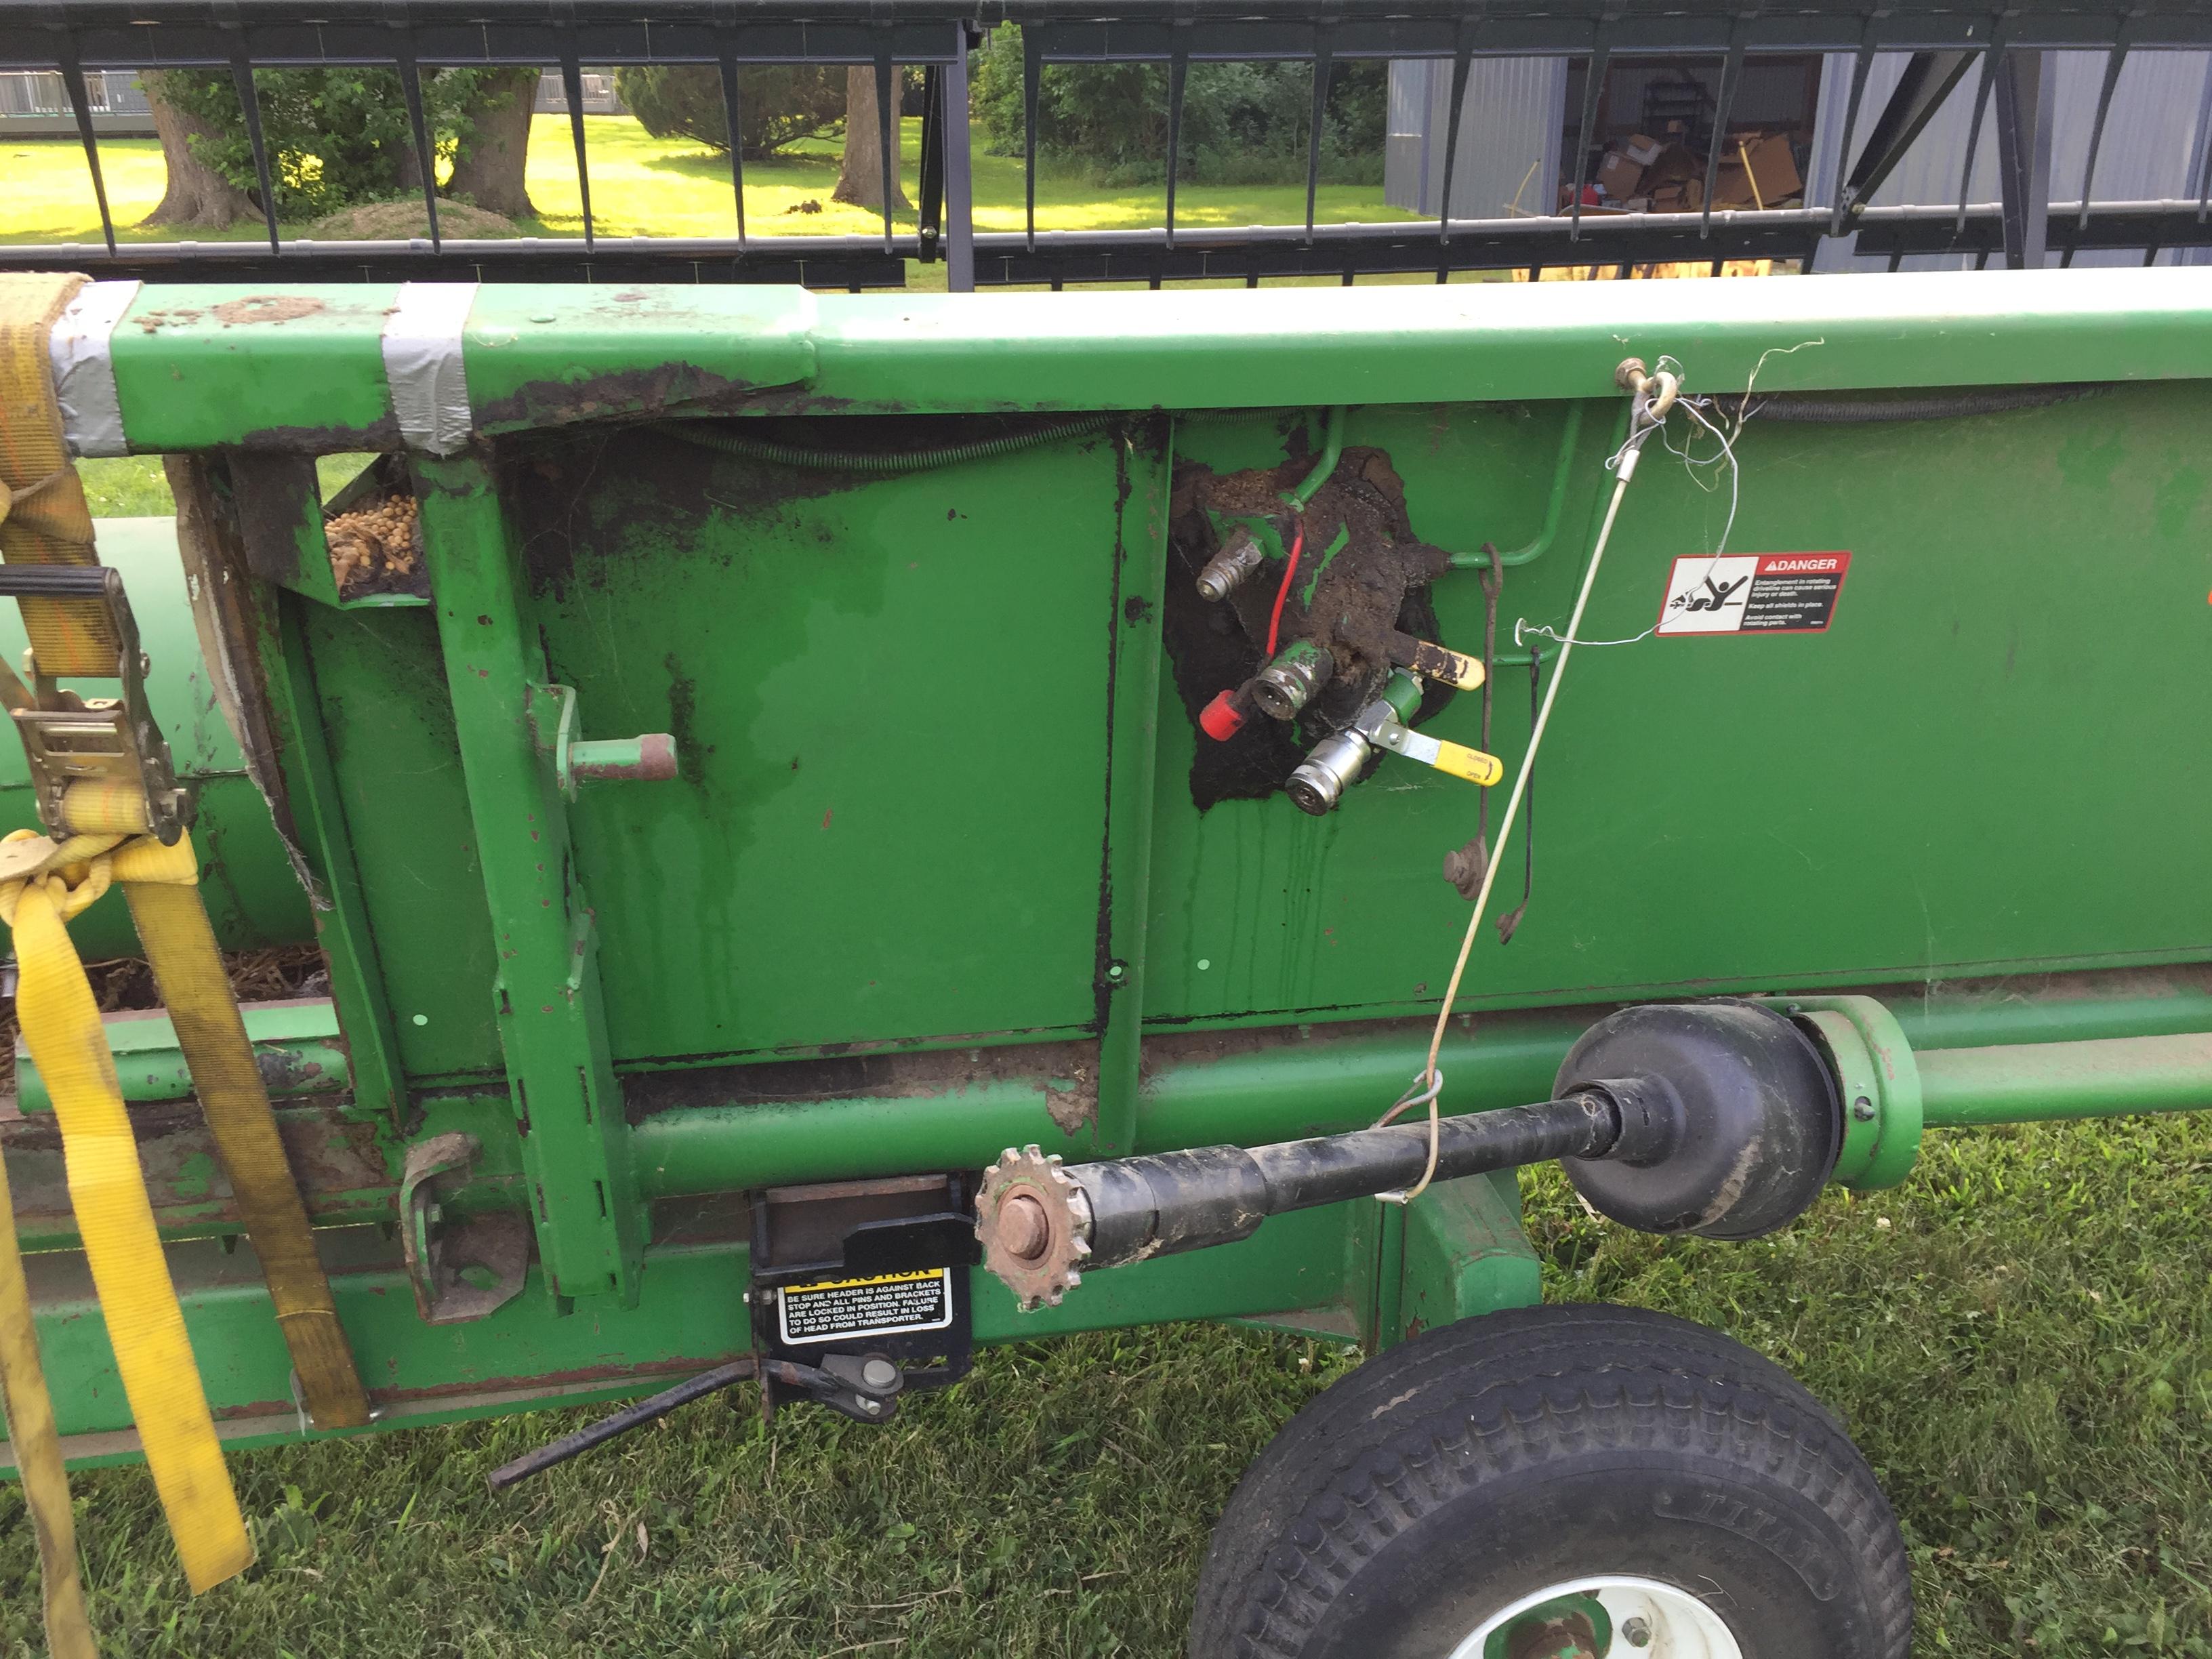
1972, 1088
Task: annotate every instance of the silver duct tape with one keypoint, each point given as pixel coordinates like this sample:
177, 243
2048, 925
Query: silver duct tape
422, 364
84, 368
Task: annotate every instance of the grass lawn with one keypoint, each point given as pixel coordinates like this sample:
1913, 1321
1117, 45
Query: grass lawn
647, 186
2017, 1338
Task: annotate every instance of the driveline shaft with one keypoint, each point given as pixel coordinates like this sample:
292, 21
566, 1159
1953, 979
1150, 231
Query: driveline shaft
1169, 1202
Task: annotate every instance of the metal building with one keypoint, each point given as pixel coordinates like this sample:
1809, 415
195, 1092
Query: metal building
1518, 118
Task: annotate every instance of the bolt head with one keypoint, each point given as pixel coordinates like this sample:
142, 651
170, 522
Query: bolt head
1863, 1109
1023, 1228
1637, 1632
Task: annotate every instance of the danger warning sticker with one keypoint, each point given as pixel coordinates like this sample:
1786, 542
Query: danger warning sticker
1753, 593
883, 1305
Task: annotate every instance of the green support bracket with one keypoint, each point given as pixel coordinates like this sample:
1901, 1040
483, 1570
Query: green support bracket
1133, 691
1464, 1253
552, 1024
260, 621
1880, 1082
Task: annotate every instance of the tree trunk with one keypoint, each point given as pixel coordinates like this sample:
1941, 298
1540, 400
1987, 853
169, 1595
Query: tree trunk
198, 194
489, 169
860, 175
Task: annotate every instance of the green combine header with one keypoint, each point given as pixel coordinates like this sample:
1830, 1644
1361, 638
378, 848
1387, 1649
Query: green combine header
843, 827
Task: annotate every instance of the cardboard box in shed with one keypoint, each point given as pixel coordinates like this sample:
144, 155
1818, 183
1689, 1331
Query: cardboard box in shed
1757, 170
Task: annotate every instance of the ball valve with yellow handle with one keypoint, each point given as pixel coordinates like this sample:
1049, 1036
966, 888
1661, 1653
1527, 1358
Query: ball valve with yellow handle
1436, 662
1336, 763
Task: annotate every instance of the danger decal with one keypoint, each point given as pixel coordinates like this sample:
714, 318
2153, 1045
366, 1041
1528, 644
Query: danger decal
1753, 593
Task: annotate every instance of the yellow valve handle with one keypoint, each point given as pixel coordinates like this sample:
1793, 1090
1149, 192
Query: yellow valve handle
61, 1027
1456, 758
1472, 764
1436, 662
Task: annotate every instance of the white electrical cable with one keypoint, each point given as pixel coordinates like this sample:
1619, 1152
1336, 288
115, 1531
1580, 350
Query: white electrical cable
1649, 395
1689, 406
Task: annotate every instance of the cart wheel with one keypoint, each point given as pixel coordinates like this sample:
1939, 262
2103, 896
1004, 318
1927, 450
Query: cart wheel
1578, 1482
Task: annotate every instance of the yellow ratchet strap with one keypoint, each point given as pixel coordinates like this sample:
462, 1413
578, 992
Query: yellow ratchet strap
44, 519
30, 1422
162, 884
41, 885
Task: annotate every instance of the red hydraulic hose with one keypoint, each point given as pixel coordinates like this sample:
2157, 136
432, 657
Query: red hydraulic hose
1275, 616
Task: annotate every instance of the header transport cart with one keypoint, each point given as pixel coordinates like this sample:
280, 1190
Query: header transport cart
844, 827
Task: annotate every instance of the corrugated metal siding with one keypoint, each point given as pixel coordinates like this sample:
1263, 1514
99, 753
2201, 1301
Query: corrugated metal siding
1405, 143
2147, 152
2149, 136
1508, 136
1772, 95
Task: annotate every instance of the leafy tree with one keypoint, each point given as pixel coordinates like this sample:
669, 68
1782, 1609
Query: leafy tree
335, 137
1243, 123
778, 104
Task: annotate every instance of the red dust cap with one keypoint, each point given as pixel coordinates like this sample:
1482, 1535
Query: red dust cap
1221, 720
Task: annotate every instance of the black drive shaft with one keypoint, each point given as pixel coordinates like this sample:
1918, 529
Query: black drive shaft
1171, 1201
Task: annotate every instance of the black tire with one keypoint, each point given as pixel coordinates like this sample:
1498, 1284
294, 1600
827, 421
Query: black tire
1477, 1464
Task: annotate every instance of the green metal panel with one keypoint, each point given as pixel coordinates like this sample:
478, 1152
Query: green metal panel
1483, 341
550, 355
1723, 813
396, 772
858, 676
189, 378
288, 368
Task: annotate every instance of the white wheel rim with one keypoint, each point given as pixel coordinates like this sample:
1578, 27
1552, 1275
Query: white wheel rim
1676, 1624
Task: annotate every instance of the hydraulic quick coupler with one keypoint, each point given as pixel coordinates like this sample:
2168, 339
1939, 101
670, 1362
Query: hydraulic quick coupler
1336, 763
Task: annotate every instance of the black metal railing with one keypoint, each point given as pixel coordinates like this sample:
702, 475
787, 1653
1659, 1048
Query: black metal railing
2000, 58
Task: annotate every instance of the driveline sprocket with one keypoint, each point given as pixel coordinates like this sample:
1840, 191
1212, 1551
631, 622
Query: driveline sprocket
1030, 1218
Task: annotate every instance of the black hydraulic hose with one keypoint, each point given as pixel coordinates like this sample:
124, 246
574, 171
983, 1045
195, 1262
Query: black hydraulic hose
719, 438
1170, 1202
1935, 406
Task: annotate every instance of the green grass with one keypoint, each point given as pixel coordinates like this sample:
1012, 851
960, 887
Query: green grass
136, 487
643, 185
2018, 1338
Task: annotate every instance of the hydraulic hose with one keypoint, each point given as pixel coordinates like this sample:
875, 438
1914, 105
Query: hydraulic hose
719, 438
1332, 447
